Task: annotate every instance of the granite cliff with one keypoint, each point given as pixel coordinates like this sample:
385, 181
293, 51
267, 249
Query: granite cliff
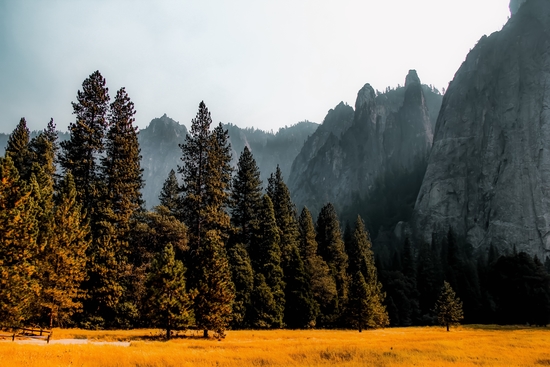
488, 175
354, 148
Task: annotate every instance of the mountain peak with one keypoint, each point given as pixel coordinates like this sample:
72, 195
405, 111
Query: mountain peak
364, 96
412, 78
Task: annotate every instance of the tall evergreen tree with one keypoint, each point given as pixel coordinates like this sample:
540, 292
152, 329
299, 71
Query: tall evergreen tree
297, 289
331, 248
18, 149
64, 260
246, 197
243, 279
300, 306
80, 153
18, 246
206, 172
120, 167
375, 314
265, 254
265, 310
215, 290
322, 283
170, 193
168, 303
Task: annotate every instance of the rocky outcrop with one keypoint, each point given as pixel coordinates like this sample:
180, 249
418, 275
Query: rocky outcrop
160, 153
488, 175
354, 147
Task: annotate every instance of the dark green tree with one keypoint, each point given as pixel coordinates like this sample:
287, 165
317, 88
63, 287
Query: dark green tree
371, 308
322, 283
246, 197
448, 307
428, 282
332, 250
265, 312
301, 308
297, 286
170, 193
18, 149
265, 255
206, 171
215, 290
121, 170
80, 153
18, 246
168, 302
243, 279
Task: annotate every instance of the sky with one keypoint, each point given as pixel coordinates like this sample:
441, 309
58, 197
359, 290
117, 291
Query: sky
255, 63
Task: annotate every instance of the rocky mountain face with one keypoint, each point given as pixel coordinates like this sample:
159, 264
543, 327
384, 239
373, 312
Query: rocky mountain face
160, 153
160, 150
488, 175
353, 148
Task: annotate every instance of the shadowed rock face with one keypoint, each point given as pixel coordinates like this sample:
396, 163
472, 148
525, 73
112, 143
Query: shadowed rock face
352, 148
488, 174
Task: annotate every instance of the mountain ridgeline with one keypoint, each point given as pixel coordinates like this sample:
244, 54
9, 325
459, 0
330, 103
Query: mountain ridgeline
357, 156
161, 153
488, 175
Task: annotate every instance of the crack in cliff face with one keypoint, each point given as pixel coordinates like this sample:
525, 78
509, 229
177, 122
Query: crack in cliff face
489, 161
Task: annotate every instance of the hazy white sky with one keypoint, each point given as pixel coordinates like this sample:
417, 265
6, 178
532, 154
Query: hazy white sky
254, 62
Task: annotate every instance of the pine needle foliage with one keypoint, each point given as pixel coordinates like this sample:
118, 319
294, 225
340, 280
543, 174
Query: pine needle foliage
169, 305
448, 307
246, 197
366, 305
18, 246
64, 261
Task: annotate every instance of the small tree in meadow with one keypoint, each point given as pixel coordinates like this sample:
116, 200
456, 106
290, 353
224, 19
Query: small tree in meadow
448, 307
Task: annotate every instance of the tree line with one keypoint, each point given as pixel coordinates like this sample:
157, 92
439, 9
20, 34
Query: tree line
78, 248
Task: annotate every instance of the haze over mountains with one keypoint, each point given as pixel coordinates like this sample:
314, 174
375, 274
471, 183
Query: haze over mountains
487, 175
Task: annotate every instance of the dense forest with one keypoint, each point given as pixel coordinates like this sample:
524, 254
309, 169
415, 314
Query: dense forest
78, 247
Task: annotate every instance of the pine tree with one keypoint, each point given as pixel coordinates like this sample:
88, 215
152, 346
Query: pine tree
215, 290
265, 310
265, 255
168, 303
375, 314
120, 167
297, 289
246, 197
18, 149
80, 153
331, 249
448, 307
206, 172
64, 260
243, 279
301, 308
322, 283
18, 246
169, 195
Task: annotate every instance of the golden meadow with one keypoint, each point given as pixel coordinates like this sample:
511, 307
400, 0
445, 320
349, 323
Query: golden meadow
430, 346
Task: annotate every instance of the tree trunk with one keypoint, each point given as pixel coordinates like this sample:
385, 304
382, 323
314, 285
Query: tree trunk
205, 334
447, 326
168, 332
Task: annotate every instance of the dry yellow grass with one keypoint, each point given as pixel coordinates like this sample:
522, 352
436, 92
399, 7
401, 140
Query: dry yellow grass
465, 346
